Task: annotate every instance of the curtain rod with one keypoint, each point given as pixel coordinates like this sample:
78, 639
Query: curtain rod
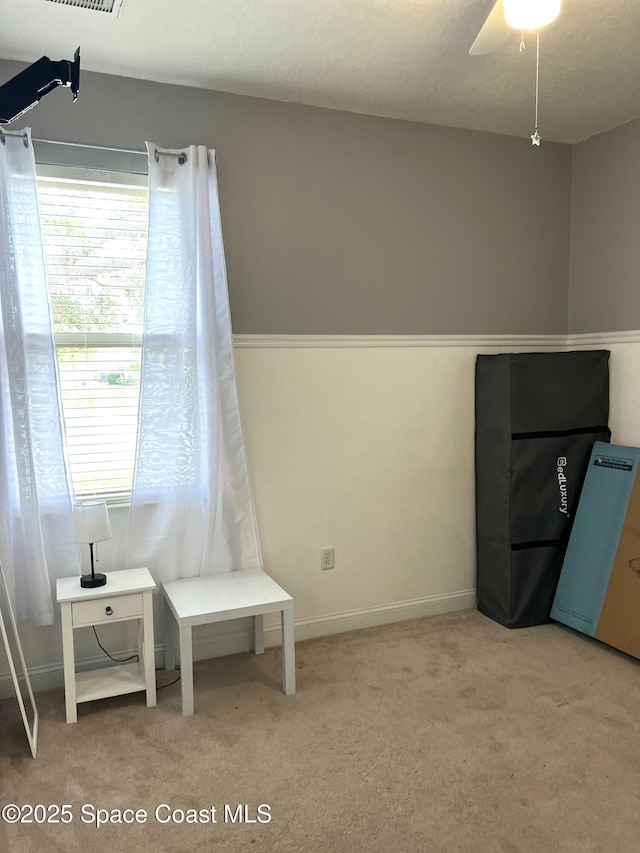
182, 157
71, 144
84, 145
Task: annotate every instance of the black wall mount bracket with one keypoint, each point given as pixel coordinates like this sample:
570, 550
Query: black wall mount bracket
25, 90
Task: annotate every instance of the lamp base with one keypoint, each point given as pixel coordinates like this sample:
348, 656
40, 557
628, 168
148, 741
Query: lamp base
91, 581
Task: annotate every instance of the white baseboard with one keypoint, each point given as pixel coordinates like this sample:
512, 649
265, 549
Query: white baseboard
354, 620
236, 637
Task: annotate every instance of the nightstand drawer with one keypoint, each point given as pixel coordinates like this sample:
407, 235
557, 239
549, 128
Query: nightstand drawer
106, 609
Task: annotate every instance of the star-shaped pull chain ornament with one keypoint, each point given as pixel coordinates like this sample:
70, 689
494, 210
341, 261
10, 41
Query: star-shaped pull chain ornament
535, 136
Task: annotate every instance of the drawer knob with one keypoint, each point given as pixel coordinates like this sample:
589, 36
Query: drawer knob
108, 611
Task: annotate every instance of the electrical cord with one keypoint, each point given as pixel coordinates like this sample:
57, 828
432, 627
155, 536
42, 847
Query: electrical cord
162, 686
115, 660
135, 657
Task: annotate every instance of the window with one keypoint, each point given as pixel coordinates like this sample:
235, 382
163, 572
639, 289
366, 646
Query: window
94, 228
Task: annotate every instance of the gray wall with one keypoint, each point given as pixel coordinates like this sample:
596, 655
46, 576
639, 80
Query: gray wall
337, 223
604, 286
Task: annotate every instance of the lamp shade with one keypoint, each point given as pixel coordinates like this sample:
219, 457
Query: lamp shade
530, 14
91, 522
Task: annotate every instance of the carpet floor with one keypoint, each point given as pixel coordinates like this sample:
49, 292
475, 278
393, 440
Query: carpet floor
439, 735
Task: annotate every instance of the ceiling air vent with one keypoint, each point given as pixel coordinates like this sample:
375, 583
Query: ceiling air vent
113, 7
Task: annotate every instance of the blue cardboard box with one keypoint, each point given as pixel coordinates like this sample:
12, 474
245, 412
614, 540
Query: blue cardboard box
598, 591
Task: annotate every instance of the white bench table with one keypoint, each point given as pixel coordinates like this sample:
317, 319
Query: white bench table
216, 598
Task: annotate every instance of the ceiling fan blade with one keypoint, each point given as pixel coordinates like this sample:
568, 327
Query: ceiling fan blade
494, 33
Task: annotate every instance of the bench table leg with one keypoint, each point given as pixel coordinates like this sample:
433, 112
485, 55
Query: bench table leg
169, 639
258, 634
288, 653
186, 670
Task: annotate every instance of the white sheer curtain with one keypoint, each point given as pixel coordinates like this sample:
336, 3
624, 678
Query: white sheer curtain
191, 507
35, 503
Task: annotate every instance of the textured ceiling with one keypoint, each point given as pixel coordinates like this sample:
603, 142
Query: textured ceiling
400, 58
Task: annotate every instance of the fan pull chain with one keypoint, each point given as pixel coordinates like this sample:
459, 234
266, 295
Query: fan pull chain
535, 136
523, 46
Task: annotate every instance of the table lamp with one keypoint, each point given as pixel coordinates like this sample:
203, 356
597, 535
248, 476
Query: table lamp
91, 524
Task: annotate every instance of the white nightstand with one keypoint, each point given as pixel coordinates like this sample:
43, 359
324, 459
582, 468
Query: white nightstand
126, 595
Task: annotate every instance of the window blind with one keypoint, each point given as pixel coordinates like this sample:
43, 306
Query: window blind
94, 229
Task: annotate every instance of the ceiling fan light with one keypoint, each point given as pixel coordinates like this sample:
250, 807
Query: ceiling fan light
530, 14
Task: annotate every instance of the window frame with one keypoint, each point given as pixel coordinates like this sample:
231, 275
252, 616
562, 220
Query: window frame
51, 168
